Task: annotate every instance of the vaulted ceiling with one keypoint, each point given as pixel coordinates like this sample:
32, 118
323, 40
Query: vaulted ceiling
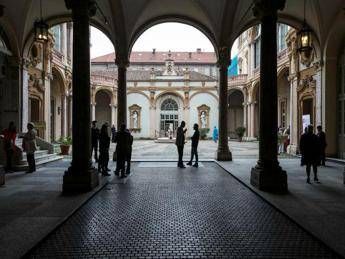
220, 20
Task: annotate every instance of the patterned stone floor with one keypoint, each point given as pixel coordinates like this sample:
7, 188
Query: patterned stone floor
169, 212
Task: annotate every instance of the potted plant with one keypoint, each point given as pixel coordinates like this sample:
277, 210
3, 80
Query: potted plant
65, 144
240, 133
204, 132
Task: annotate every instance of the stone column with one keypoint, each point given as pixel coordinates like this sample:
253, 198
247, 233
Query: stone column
267, 175
122, 64
223, 152
63, 115
80, 176
25, 97
70, 112
113, 114
245, 123
253, 119
93, 111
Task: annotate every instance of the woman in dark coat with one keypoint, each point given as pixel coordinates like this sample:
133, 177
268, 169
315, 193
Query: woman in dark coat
104, 143
310, 150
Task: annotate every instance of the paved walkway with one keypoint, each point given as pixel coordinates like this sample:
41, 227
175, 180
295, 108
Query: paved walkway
319, 208
162, 211
31, 206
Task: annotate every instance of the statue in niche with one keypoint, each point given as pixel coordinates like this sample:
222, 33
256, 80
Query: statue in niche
135, 119
203, 119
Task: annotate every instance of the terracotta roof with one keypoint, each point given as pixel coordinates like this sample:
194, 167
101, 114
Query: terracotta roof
161, 56
144, 75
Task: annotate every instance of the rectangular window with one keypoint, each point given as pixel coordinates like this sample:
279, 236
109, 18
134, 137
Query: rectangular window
56, 31
257, 53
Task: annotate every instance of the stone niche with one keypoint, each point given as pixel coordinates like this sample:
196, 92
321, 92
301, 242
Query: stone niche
204, 116
135, 118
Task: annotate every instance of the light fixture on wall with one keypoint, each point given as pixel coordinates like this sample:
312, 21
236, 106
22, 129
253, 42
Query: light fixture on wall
41, 28
304, 37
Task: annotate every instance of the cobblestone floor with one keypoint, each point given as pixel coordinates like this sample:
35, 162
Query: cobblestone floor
169, 212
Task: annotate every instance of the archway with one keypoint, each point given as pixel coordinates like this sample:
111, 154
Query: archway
168, 117
57, 106
283, 99
235, 112
103, 107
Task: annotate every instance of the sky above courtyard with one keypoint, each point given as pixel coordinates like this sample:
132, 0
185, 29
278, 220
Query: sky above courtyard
162, 37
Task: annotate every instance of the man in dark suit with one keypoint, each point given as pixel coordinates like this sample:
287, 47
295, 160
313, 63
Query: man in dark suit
180, 141
123, 139
195, 142
323, 144
94, 140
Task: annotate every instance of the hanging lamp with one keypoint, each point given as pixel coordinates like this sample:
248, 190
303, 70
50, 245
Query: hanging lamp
41, 28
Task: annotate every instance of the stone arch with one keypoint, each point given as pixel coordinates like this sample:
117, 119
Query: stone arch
166, 93
106, 90
173, 18
282, 18
57, 104
103, 106
204, 92
332, 54
235, 111
138, 92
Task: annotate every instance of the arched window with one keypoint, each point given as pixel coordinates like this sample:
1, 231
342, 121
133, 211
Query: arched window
169, 105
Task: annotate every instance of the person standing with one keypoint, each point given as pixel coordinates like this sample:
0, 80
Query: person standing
323, 144
29, 146
122, 149
195, 142
129, 154
104, 143
113, 133
215, 134
310, 150
9, 143
180, 141
94, 140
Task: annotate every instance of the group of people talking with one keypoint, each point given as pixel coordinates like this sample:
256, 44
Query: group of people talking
100, 139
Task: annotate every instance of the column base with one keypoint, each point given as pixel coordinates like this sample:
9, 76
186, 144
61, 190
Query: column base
224, 154
2, 176
77, 182
269, 179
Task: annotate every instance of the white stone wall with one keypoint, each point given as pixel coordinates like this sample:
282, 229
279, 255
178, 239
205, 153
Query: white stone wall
198, 100
143, 102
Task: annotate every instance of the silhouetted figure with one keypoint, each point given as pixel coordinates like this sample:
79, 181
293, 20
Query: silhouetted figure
180, 141
310, 150
29, 146
215, 134
104, 144
195, 142
129, 154
123, 138
9, 144
94, 140
323, 144
113, 133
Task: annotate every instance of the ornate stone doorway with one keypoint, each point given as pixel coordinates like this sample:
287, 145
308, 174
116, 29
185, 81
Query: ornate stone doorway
168, 118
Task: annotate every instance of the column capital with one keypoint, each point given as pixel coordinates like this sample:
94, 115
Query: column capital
224, 57
80, 7
267, 8
121, 61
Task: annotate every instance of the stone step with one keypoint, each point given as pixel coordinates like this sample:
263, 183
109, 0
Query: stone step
44, 159
38, 153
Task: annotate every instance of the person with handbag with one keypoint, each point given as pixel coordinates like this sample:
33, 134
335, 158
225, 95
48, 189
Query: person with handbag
10, 135
29, 146
104, 144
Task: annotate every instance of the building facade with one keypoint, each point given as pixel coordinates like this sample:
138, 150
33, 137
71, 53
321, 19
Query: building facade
164, 88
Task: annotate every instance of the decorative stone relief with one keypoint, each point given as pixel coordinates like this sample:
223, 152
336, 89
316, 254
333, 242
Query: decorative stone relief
135, 117
203, 114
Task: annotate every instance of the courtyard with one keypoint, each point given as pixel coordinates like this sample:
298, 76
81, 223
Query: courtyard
150, 150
